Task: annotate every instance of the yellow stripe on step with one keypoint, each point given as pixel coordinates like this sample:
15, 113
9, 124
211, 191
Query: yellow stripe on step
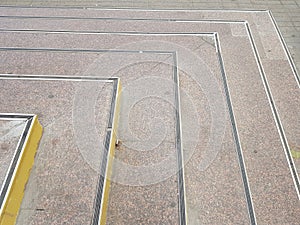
113, 139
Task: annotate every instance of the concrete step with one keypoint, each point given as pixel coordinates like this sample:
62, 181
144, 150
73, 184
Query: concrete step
209, 110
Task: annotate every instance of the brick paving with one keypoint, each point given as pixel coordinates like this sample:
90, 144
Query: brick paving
286, 12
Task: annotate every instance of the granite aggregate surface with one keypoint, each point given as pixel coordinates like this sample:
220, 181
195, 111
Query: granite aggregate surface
210, 177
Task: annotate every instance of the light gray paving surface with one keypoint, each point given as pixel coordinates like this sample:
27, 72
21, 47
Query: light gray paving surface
287, 13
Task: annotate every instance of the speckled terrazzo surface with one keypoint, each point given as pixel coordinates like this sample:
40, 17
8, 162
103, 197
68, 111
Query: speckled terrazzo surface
10, 133
214, 189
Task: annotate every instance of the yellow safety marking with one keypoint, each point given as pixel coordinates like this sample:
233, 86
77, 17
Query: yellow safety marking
21, 174
295, 154
112, 146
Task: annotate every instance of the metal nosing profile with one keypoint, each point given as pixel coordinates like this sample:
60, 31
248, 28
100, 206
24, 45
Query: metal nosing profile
180, 160
130, 9
103, 32
106, 164
82, 50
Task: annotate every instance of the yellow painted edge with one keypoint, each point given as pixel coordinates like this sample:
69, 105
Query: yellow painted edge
112, 143
21, 175
295, 154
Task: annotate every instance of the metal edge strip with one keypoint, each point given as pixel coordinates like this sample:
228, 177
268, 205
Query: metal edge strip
179, 147
101, 201
129, 33
130, 9
81, 50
